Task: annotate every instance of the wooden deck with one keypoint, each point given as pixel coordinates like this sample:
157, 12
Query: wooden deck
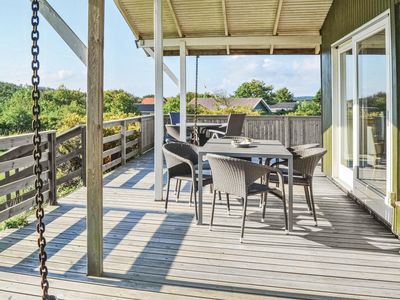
152, 255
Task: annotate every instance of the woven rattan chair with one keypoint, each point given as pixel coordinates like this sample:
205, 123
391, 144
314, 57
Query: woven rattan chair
304, 165
173, 133
238, 177
233, 128
181, 159
303, 147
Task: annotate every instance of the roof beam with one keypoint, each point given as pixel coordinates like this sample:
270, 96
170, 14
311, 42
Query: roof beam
166, 69
277, 17
64, 31
225, 23
276, 23
177, 25
268, 40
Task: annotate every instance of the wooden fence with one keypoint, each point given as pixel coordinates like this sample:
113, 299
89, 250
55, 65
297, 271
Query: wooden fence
290, 130
64, 159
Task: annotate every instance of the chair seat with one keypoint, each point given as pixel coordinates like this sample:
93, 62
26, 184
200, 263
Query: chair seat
207, 179
297, 180
258, 188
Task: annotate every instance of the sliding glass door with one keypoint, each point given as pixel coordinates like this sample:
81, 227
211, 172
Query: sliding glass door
362, 89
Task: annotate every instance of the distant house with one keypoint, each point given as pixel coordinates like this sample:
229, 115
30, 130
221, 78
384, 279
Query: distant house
148, 100
145, 109
255, 104
283, 107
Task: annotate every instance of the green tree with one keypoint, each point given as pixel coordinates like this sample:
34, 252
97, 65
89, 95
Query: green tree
255, 88
116, 101
16, 115
172, 104
283, 95
317, 97
307, 108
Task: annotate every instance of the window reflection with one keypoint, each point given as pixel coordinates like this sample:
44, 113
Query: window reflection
372, 108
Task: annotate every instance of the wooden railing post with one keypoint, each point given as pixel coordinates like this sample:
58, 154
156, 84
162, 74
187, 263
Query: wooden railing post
123, 142
83, 159
287, 131
52, 168
140, 137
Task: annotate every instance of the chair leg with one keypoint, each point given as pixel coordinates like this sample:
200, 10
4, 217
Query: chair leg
219, 196
244, 218
166, 199
286, 215
191, 194
228, 205
176, 186
195, 200
213, 209
264, 208
179, 190
307, 193
313, 204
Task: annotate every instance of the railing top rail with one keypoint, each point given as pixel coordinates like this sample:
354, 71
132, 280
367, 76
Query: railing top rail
12, 141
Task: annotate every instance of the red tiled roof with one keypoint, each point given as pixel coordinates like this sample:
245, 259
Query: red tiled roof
148, 100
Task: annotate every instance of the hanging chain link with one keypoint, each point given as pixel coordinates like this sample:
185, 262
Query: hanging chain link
196, 137
37, 152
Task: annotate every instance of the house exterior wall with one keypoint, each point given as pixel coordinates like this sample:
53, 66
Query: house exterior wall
262, 108
343, 18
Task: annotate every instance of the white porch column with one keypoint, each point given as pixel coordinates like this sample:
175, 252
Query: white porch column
158, 109
182, 86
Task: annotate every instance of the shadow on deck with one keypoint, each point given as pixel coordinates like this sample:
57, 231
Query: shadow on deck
149, 254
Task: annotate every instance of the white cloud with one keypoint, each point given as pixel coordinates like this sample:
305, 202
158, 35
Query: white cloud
64, 74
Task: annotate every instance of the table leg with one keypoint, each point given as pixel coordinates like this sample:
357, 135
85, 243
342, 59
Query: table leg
200, 188
290, 185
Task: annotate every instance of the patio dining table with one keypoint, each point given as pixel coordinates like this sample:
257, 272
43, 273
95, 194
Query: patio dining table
259, 149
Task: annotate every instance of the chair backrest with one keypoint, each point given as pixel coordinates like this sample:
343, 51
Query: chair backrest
233, 175
175, 117
303, 147
235, 124
307, 160
176, 155
173, 131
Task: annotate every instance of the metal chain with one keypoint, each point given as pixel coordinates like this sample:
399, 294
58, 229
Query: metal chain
196, 138
37, 152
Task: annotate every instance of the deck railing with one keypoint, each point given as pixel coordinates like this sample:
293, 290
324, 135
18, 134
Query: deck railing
289, 130
64, 159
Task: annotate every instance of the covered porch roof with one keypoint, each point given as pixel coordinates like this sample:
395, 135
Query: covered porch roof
220, 27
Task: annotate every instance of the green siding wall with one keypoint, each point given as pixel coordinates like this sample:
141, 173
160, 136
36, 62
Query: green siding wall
344, 17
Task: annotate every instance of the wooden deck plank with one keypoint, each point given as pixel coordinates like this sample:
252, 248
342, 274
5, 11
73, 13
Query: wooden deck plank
152, 255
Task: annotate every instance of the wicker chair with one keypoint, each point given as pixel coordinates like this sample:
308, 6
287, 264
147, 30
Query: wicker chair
238, 177
173, 133
181, 159
233, 128
304, 165
303, 147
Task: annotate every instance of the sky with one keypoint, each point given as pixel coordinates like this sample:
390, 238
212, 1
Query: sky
127, 67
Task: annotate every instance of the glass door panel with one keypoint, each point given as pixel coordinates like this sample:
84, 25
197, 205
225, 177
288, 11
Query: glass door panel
346, 109
372, 86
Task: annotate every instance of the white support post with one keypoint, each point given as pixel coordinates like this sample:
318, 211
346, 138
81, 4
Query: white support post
158, 109
182, 86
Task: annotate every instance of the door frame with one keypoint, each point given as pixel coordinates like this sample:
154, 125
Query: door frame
370, 28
